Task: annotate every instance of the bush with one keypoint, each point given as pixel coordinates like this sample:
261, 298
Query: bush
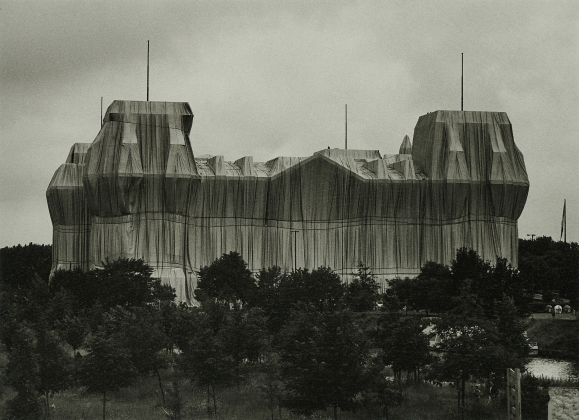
534, 399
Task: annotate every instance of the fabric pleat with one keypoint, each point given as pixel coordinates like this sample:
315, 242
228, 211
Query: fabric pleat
138, 192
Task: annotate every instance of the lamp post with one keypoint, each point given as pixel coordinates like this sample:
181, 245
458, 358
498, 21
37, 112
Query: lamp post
295, 232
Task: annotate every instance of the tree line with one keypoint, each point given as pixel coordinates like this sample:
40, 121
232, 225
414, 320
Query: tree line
318, 342
550, 268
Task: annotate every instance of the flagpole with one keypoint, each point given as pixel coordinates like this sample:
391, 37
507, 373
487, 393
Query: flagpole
147, 70
461, 81
565, 211
564, 222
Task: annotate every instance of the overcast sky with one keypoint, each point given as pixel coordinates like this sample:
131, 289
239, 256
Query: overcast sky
271, 79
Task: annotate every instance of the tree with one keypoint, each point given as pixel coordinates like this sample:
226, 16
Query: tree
362, 293
403, 344
501, 281
128, 283
140, 332
472, 345
323, 359
437, 288
205, 359
244, 336
22, 307
123, 282
267, 297
107, 367
548, 265
277, 293
54, 365
22, 374
379, 392
321, 288
73, 330
227, 279
76, 286
511, 330
272, 386
21, 265
534, 399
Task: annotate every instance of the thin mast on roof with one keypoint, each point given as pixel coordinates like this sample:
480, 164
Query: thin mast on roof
346, 127
101, 111
147, 70
461, 80
564, 222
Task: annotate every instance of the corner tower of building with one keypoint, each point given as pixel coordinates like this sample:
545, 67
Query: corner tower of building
138, 192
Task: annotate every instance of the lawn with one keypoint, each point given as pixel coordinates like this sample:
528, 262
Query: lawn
556, 337
143, 402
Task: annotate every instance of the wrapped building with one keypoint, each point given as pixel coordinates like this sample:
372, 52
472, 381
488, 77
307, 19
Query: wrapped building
138, 191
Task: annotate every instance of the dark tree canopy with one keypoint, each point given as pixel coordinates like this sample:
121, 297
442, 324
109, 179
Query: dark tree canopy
438, 288
362, 293
403, 344
321, 288
550, 266
21, 265
22, 374
227, 279
123, 282
108, 366
324, 357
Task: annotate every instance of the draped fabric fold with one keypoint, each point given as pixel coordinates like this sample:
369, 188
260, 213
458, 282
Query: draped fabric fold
138, 192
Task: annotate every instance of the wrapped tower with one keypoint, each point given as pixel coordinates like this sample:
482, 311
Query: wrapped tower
138, 192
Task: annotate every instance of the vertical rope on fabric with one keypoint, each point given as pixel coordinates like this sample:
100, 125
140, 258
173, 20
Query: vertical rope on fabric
138, 191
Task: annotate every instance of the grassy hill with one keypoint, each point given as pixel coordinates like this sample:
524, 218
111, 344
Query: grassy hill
556, 337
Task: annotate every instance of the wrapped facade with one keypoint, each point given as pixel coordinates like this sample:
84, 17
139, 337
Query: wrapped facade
138, 192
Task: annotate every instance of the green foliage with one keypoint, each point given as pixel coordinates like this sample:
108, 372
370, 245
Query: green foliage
474, 346
380, 392
403, 344
323, 360
244, 336
108, 366
267, 297
205, 359
511, 329
21, 265
362, 293
433, 290
22, 307
216, 341
272, 387
73, 330
54, 365
227, 279
139, 331
76, 287
278, 293
24, 406
123, 282
547, 265
438, 288
534, 399
321, 288
502, 281
23, 375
